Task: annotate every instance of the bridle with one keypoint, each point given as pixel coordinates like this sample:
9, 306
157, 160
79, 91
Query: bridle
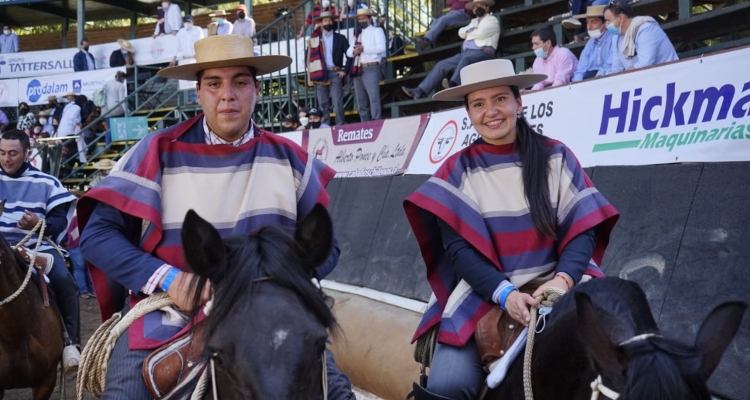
598, 387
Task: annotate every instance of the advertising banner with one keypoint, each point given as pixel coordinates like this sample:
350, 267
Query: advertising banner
696, 110
376, 148
36, 90
9, 93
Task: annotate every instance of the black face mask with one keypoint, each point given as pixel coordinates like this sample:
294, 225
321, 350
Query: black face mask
85, 48
241, 15
315, 125
23, 110
287, 128
480, 12
328, 27
363, 25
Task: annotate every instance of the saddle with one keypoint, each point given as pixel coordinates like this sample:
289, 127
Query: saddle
496, 332
172, 370
43, 263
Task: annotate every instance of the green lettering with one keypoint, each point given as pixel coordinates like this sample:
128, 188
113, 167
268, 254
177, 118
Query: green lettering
729, 131
722, 131
672, 141
700, 136
712, 136
648, 142
737, 134
660, 142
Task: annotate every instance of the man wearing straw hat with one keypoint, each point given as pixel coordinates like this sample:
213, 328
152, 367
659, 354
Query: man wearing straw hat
326, 65
516, 173
220, 26
124, 56
596, 58
221, 154
367, 50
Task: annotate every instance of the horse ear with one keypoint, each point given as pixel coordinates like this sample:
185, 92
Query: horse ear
716, 332
314, 234
597, 339
202, 245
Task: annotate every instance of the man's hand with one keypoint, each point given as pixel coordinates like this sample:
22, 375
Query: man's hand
358, 50
180, 293
341, 74
28, 221
517, 305
173, 62
154, 37
174, 33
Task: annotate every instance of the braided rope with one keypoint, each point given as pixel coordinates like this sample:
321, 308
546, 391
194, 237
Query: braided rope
40, 225
550, 296
92, 370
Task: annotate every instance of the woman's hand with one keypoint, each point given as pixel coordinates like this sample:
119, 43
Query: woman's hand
517, 305
557, 282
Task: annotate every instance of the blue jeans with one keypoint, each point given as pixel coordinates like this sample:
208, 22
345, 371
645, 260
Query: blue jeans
80, 272
456, 372
447, 20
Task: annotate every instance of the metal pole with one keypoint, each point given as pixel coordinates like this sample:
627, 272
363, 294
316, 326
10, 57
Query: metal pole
133, 24
65, 23
81, 22
249, 5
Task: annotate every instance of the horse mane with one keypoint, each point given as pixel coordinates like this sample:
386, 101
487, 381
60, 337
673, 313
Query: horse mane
271, 254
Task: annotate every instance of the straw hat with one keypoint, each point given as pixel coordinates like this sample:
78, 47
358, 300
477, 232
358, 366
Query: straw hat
225, 51
104, 163
592, 12
470, 5
364, 11
70, 94
51, 97
218, 13
487, 74
126, 45
44, 113
325, 14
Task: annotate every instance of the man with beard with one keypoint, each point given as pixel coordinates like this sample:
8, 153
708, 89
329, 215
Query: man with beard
83, 60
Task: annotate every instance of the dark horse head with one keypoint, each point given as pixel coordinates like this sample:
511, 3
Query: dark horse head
605, 328
269, 324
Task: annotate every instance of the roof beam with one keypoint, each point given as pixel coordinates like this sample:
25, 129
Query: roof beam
54, 10
130, 5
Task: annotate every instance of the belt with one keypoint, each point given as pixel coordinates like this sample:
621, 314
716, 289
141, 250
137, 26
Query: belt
333, 69
370, 64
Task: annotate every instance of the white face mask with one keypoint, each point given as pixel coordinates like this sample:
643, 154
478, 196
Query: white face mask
595, 34
304, 120
326, 3
188, 25
164, 5
351, 3
43, 121
6, 32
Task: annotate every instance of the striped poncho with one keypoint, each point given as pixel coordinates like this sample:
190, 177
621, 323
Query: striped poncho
37, 192
267, 181
479, 193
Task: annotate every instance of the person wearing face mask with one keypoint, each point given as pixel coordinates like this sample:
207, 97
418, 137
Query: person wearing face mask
303, 118
367, 48
314, 14
9, 41
639, 40
289, 123
458, 15
220, 26
316, 119
244, 25
26, 118
326, 66
186, 38
596, 58
123, 56
558, 63
83, 60
480, 42
46, 121
172, 19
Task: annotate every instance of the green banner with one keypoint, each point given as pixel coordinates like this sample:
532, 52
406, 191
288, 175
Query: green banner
129, 128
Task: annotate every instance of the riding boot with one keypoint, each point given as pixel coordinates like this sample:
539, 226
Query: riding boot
66, 293
421, 393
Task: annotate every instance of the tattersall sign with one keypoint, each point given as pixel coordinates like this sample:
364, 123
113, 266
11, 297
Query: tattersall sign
696, 110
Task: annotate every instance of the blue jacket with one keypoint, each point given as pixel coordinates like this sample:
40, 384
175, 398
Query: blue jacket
80, 63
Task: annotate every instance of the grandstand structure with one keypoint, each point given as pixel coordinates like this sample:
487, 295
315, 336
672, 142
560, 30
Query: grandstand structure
696, 27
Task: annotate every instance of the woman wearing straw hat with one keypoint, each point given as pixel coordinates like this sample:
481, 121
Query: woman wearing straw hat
122, 57
197, 164
489, 229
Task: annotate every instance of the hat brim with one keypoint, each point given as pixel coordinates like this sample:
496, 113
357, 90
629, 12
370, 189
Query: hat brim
100, 166
459, 92
333, 17
584, 16
470, 5
262, 64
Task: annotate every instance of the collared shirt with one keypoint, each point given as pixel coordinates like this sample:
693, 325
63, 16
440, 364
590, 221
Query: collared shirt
652, 47
596, 56
89, 60
172, 19
225, 28
186, 41
71, 117
559, 67
373, 45
4, 118
328, 47
9, 43
245, 27
480, 33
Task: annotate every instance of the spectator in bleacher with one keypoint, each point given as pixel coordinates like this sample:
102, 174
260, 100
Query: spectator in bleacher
349, 13
55, 109
480, 42
640, 41
114, 92
367, 48
83, 60
596, 58
220, 26
244, 25
326, 65
45, 119
289, 123
458, 15
557, 62
578, 7
122, 57
9, 41
172, 19
4, 121
70, 123
186, 38
314, 14
316, 119
26, 118
103, 168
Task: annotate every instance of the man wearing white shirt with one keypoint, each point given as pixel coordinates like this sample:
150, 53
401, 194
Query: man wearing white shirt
244, 25
172, 19
186, 38
369, 47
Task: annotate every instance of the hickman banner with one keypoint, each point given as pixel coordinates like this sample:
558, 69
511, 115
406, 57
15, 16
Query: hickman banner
377, 148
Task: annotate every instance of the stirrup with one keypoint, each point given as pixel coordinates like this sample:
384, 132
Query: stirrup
71, 358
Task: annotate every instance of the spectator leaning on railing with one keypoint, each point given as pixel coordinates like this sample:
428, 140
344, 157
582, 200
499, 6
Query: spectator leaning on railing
640, 41
9, 41
172, 19
558, 63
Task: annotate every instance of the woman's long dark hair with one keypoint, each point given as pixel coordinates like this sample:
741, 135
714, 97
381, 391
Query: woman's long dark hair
535, 172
